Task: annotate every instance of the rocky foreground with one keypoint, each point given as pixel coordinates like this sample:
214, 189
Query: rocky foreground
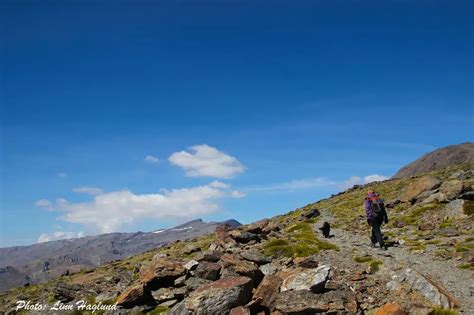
283, 265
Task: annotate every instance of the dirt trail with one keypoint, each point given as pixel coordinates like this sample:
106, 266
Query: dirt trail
460, 283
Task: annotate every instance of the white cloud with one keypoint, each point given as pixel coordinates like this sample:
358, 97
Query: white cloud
59, 235
88, 190
297, 184
375, 178
204, 160
151, 159
356, 180
237, 194
62, 175
44, 203
218, 184
107, 212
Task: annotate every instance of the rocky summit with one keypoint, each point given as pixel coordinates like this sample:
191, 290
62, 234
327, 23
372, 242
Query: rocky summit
284, 265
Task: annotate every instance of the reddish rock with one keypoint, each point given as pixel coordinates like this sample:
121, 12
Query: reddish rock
132, 296
221, 296
232, 265
160, 272
240, 310
223, 237
306, 262
268, 291
351, 305
390, 309
360, 275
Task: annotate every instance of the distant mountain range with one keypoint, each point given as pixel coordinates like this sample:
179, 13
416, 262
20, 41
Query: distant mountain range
22, 265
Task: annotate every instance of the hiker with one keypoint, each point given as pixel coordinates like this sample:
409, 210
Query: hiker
376, 215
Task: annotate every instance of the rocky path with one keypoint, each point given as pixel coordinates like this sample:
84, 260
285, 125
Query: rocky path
460, 283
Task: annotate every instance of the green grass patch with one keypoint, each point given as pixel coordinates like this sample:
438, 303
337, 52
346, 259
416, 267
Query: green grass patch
469, 239
443, 311
158, 310
463, 247
300, 241
433, 242
468, 266
362, 259
446, 223
375, 265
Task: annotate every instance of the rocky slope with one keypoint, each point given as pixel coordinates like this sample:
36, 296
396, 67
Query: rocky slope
439, 159
283, 265
21, 265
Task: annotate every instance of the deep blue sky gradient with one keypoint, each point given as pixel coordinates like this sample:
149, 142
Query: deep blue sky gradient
291, 89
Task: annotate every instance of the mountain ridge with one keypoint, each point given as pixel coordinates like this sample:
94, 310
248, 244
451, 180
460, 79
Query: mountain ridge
42, 261
438, 159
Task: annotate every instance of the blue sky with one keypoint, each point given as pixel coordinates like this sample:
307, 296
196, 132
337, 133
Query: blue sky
244, 109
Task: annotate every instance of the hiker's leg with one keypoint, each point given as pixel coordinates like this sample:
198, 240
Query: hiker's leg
378, 233
373, 238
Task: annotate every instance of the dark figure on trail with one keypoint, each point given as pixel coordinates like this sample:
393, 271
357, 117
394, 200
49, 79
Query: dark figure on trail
376, 215
326, 229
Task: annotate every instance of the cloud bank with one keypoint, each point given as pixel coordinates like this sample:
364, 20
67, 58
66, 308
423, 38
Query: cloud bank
108, 212
356, 180
206, 161
59, 235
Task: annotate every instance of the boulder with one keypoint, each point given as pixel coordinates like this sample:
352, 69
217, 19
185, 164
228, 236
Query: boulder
468, 195
221, 296
459, 208
267, 291
193, 283
451, 189
231, 265
392, 203
223, 237
134, 295
268, 269
306, 262
161, 272
390, 309
419, 186
299, 302
243, 236
179, 309
190, 248
167, 294
256, 257
257, 227
208, 270
210, 255
307, 279
191, 265
312, 212
432, 291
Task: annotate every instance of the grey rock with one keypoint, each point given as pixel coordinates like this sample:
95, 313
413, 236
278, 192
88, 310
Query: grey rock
268, 269
307, 279
256, 257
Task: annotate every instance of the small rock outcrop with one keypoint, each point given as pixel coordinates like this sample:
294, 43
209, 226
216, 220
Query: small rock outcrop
221, 296
307, 279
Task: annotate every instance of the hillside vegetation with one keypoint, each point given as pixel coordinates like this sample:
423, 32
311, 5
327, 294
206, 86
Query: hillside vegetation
285, 266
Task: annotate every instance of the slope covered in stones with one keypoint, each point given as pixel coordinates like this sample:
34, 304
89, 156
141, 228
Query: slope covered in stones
283, 265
